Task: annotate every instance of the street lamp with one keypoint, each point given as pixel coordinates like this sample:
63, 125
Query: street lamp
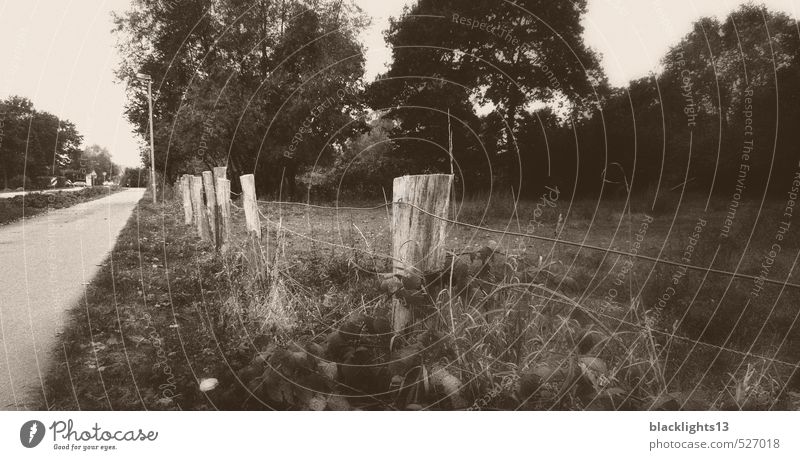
149, 80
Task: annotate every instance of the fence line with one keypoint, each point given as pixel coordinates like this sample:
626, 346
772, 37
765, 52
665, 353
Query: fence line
688, 339
316, 206
316, 240
656, 260
548, 239
611, 317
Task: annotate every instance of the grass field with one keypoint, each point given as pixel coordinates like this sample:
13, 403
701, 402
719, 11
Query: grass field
12, 209
706, 325
303, 320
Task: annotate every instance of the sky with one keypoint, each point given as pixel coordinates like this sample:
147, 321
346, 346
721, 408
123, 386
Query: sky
61, 54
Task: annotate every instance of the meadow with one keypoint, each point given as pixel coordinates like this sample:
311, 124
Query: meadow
304, 318
659, 332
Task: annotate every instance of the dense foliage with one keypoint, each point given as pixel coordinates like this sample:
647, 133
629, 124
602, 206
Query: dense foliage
38, 148
726, 89
511, 89
451, 57
263, 87
33, 143
12, 209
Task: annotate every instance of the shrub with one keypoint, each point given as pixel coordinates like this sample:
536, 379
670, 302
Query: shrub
20, 181
34, 203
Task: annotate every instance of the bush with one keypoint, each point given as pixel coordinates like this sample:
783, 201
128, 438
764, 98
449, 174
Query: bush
34, 203
20, 181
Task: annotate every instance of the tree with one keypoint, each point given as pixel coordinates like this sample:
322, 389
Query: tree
97, 159
15, 112
34, 143
134, 177
732, 83
502, 54
244, 83
725, 84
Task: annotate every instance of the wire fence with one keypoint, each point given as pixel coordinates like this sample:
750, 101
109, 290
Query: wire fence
619, 321
553, 240
643, 328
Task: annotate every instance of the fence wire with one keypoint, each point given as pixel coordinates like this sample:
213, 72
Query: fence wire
671, 335
556, 240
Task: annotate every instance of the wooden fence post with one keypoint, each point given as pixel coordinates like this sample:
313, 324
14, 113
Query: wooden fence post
250, 204
177, 191
418, 239
198, 209
223, 188
186, 194
211, 205
220, 172
255, 255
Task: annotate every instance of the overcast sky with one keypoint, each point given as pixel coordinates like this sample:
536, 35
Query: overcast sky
60, 53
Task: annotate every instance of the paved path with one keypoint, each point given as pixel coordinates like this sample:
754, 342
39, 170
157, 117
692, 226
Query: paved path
45, 262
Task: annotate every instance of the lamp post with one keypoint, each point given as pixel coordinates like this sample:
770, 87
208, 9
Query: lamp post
149, 80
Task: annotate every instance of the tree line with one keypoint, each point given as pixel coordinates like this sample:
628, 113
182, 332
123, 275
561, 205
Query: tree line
37, 147
507, 95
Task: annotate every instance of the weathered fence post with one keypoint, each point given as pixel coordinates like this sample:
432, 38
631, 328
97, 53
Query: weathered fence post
255, 256
186, 193
220, 172
198, 209
418, 237
419, 205
211, 205
223, 188
177, 191
250, 204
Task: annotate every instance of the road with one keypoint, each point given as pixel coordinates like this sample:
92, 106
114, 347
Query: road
45, 262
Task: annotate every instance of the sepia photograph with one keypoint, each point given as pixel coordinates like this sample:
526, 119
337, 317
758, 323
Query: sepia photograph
536, 206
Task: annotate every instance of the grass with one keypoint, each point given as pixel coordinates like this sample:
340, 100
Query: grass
12, 209
303, 319
143, 336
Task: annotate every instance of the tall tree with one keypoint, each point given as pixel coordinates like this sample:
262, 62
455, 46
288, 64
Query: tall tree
98, 159
508, 55
736, 82
15, 113
261, 86
34, 143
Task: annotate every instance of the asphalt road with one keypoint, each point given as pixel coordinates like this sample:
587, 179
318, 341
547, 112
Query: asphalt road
45, 263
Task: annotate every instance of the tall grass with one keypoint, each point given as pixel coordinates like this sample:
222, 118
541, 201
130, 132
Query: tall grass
509, 328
